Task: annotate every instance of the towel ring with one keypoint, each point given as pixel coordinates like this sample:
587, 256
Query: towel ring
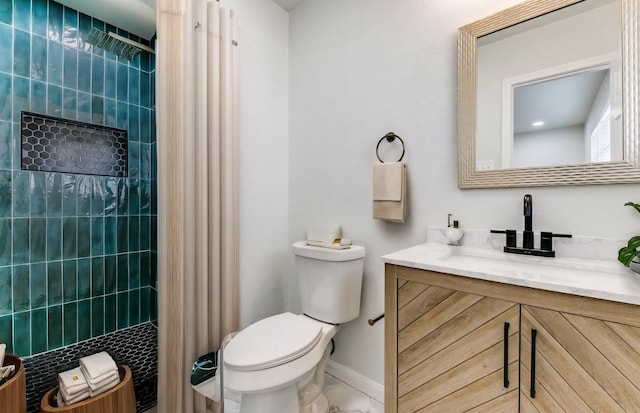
390, 137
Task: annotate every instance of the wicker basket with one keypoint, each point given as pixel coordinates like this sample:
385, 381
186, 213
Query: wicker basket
13, 394
120, 399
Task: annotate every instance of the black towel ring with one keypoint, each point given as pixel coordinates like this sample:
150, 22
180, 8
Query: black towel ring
390, 137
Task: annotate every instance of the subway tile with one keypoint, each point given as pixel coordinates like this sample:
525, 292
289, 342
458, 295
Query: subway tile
21, 53
54, 63
22, 14
21, 240
134, 86
98, 24
38, 240
6, 46
145, 95
97, 276
6, 292
122, 86
145, 125
6, 332
6, 146
54, 239
38, 330
145, 197
70, 28
145, 304
5, 90
154, 306
84, 72
20, 194
69, 104
38, 97
84, 237
145, 269
21, 285
38, 279
97, 110
110, 274
97, 236
110, 235
85, 192
84, 319
54, 194
134, 159
145, 161
38, 58
145, 233
54, 327
134, 233
153, 276
54, 100
6, 12
123, 272
134, 307
37, 196
54, 31
110, 313
69, 67
69, 197
21, 100
123, 234
110, 113
134, 123
84, 27
69, 238
70, 320
134, 197
122, 115
134, 270
111, 196
145, 61
39, 17
84, 107
5, 241
22, 333
54, 283
123, 196
5, 194
110, 79
84, 278
69, 281
122, 305
97, 76
97, 316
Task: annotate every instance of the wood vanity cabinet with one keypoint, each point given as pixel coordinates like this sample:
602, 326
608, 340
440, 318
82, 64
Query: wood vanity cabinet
455, 344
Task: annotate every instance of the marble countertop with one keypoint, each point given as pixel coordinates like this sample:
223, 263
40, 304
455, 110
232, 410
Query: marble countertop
607, 280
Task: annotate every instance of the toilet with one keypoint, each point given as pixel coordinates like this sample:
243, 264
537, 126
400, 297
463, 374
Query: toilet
277, 364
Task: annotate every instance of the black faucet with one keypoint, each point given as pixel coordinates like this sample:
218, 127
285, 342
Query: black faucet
546, 238
527, 235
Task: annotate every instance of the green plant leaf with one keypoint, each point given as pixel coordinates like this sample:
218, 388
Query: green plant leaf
628, 253
633, 205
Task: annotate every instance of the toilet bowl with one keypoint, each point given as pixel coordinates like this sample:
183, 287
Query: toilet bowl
277, 364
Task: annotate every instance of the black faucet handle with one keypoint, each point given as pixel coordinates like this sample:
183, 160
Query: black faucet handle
511, 236
546, 240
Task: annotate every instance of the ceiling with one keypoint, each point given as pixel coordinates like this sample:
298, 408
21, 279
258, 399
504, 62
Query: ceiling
289, 5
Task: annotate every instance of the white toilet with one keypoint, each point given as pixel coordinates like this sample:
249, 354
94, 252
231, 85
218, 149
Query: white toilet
277, 364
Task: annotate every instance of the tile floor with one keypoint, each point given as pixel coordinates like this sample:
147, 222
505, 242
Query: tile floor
342, 399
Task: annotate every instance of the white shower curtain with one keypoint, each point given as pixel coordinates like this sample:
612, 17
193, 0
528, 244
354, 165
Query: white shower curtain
197, 192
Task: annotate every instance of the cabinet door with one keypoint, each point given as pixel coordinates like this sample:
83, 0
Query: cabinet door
456, 351
578, 364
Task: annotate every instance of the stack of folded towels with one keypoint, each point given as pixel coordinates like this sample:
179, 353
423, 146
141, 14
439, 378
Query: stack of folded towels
97, 374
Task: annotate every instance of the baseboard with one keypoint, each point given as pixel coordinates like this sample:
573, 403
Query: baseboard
356, 380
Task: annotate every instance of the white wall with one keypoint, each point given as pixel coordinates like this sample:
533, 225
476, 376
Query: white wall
264, 156
362, 68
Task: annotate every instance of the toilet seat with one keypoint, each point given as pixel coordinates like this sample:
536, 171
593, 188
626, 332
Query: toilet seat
272, 342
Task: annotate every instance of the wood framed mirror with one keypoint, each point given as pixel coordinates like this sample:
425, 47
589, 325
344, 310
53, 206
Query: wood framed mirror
616, 70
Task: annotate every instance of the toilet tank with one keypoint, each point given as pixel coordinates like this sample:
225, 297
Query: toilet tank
329, 281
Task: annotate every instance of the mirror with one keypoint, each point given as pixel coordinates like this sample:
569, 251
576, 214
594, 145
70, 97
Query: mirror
547, 95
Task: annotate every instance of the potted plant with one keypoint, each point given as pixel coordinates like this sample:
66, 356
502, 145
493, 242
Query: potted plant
630, 255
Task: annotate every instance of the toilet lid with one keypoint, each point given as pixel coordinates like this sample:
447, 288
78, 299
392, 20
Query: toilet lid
272, 341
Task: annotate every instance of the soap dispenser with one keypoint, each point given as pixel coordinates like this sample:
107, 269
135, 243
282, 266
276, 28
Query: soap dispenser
454, 233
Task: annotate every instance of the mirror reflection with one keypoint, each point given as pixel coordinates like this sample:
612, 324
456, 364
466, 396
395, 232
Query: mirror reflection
549, 90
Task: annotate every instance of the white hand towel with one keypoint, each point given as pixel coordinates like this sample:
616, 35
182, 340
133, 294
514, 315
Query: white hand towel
106, 387
102, 380
73, 398
72, 381
387, 181
97, 365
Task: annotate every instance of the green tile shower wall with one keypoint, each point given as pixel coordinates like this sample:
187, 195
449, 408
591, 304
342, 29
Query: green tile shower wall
77, 252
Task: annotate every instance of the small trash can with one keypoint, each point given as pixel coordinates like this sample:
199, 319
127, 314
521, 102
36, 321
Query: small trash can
13, 393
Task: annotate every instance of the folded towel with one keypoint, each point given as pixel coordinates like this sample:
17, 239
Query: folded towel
69, 399
102, 380
387, 204
106, 387
97, 366
59, 400
72, 381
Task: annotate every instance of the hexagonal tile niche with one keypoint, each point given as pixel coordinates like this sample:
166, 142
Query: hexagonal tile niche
61, 145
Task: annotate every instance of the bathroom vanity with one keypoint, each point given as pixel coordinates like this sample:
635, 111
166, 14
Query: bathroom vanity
469, 329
